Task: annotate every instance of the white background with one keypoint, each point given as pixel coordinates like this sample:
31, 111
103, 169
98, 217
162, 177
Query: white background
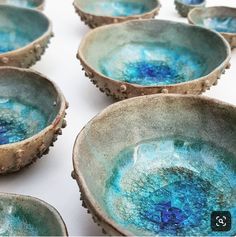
49, 178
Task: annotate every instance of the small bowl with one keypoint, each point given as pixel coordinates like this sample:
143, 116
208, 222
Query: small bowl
36, 4
27, 216
221, 19
97, 13
158, 165
155, 56
32, 111
185, 6
24, 36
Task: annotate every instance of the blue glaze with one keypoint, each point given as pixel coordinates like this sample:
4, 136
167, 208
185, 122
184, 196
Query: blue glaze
22, 3
19, 121
12, 39
193, 2
117, 8
170, 187
221, 24
151, 64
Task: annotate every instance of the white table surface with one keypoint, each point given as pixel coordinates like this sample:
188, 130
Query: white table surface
50, 178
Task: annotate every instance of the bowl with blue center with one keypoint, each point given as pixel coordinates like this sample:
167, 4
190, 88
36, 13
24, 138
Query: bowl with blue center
32, 111
102, 12
159, 165
185, 6
28, 216
153, 56
35, 4
221, 19
24, 36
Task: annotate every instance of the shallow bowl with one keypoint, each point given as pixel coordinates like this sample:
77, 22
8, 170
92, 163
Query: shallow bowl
36, 4
159, 165
24, 36
32, 111
221, 19
155, 56
185, 6
97, 13
27, 216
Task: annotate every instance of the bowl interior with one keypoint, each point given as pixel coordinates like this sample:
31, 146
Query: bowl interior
192, 2
153, 52
19, 27
23, 3
221, 19
160, 165
114, 8
28, 104
20, 216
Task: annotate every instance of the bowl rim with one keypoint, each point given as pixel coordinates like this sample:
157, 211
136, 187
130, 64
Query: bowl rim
77, 174
39, 6
205, 9
157, 7
81, 57
52, 209
48, 31
54, 122
203, 3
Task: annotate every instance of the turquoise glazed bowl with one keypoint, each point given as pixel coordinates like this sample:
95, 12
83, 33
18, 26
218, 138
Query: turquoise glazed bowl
185, 6
32, 111
102, 12
27, 216
159, 165
24, 36
36, 4
221, 19
153, 56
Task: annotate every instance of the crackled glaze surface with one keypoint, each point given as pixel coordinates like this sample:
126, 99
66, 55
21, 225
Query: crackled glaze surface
221, 24
19, 121
170, 186
22, 3
152, 64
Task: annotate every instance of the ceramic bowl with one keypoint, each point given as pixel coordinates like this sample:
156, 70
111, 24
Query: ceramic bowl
185, 6
159, 165
24, 36
97, 13
36, 4
32, 111
27, 216
221, 19
155, 56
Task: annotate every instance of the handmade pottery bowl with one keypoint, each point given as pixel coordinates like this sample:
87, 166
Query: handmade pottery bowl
221, 19
27, 216
36, 4
24, 36
156, 56
32, 111
185, 6
159, 165
97, 13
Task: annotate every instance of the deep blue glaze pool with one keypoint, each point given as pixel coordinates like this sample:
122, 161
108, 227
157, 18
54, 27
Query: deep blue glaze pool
19, 121
193, 2
170, 187
221, 24
152, 64
117, 8
12, 39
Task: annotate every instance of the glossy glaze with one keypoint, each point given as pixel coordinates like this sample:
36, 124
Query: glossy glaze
171, 186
